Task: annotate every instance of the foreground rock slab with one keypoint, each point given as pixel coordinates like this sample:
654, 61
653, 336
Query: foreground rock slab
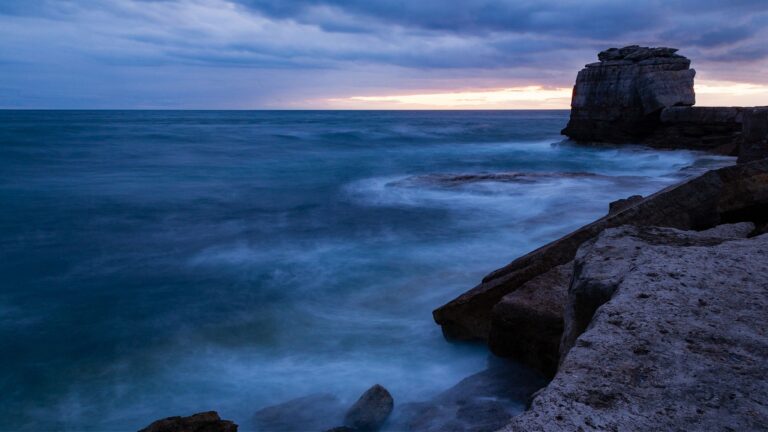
665, 331
201, 422
731, 194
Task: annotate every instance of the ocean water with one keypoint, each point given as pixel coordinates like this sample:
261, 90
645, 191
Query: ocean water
158, 263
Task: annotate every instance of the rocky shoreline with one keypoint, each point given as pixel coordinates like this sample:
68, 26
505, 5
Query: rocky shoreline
649, 318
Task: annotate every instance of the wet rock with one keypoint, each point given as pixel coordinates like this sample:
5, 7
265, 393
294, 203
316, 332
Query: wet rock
621, 204
484, 401
527, 324
370, 411
731, 194
341, 429
450, 180
201, 422
314, 412
675, 340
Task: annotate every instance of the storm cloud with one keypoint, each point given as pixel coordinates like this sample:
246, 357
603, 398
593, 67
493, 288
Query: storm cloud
272, 53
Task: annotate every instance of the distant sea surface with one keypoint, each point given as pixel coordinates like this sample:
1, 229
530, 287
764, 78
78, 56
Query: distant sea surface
159, 263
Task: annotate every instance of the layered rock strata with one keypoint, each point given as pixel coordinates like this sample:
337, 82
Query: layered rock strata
664, 331
620, 98
731, 194
644, 95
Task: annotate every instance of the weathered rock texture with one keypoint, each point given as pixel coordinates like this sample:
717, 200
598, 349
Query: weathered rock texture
664, 331
201, 422
645, 95
620, 98
731, 194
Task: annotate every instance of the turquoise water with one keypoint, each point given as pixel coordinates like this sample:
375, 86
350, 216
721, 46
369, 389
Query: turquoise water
164, 263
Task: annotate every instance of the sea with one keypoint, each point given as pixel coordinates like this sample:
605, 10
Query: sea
161, 263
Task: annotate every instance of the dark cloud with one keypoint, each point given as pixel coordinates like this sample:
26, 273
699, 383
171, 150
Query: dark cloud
294, 46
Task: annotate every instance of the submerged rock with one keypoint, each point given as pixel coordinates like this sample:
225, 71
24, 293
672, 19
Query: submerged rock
202, 422
664, 331
485, 401
314, 412
370, 411
500, 177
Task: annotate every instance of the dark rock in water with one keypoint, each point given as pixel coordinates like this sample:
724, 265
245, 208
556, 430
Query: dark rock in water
667, 334
483, 415
201, 422
484, 401
621, 204
527, 324
731, 194
370, 411
314, 412
341, 429
502, 177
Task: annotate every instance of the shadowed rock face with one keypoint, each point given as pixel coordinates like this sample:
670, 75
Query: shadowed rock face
664, 331
620, 98
527, 324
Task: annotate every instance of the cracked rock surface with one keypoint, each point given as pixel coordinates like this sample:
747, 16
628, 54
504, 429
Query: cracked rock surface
665, 330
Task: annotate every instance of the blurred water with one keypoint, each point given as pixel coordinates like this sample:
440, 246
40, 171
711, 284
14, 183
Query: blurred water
165, 263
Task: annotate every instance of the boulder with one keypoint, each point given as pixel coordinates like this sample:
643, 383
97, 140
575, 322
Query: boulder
370, 411
676, 337
313, 412
731, 194
202, 422
527, 324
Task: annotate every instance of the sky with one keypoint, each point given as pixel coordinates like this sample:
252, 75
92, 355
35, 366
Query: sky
359, 54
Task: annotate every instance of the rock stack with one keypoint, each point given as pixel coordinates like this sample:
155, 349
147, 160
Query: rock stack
620, 97
644, 95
